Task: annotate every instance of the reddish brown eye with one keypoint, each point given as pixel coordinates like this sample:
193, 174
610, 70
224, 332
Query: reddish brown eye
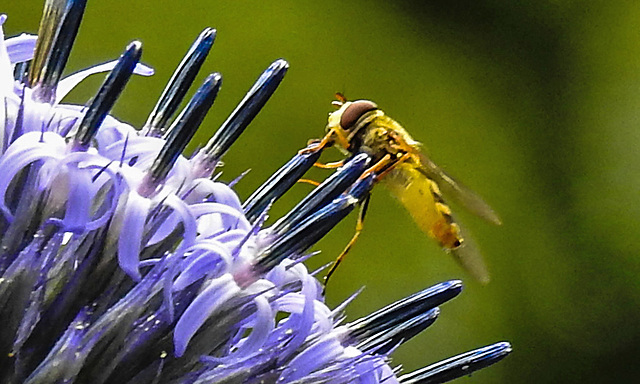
355, 111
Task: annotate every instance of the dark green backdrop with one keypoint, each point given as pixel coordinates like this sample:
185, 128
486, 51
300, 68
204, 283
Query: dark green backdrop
535, 105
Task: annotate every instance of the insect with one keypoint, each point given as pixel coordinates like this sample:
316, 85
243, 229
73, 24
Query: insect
416, 181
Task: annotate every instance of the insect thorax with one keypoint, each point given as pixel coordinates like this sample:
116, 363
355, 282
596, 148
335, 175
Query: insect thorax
381, 138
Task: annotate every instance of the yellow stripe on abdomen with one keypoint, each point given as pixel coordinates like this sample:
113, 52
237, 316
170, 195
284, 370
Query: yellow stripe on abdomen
421, 197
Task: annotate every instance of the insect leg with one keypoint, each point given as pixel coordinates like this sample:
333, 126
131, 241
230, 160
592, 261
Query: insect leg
328, 140
332, 165
401, 160
308, 181
359, 226
380, 165
319, 145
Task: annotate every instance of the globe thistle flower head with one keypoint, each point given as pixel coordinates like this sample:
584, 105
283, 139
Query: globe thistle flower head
122, 261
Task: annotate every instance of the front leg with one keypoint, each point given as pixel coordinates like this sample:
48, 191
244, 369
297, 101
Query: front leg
318, 145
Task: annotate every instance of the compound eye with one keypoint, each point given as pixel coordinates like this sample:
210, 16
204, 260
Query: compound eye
355, 111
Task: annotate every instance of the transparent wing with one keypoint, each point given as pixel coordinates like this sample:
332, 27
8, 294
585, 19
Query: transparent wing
458, 192
468, 256
413, 189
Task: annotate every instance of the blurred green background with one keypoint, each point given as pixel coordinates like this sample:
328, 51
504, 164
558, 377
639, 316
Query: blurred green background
534, 105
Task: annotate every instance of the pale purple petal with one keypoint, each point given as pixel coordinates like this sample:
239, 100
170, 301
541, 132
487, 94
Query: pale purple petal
367, 368
98, 222
387, 376
111, 131
143, 149
6, 72
82, 190
188, 220
214, 254
295, 302
204, 305
323, 352
70, 82
27, 149
221, 193
168, 225
237, 217
130, 234
262, 324
78, 210
20, 48
231, 237
303, 322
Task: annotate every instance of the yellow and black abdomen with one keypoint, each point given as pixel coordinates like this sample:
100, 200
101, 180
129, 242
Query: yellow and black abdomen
421, 197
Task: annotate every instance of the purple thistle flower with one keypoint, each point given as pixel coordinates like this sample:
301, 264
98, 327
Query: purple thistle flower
122, 261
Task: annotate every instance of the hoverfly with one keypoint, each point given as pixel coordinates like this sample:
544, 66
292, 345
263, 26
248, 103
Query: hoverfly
416, 181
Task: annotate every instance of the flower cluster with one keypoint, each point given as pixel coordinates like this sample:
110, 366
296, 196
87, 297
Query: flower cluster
122, 261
